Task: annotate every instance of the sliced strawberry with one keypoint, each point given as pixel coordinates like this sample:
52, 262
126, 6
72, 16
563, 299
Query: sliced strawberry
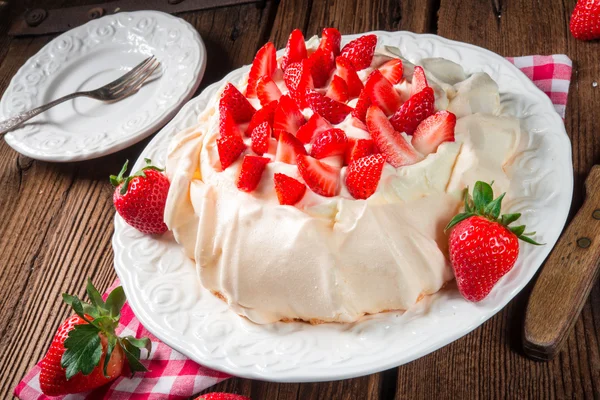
358, 148
331, 39
289, 190
396, 150
314, 126
228, 127
288, 148
360, 51
362, 105
392, 70
260, 138
288, 116
264, 64
322, 63
338, 90
250, 172
267, 90
331, 142
347, 72
433, 131
415, 110
363, 175
331, 110
382, 93
267, 113
323, 179
230, 144
298, 79
233, 100
419, 81
295, 49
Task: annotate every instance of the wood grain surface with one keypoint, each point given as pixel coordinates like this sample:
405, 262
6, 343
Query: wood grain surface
56, 219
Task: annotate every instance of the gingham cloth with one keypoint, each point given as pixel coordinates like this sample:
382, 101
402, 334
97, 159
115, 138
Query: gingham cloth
172, 375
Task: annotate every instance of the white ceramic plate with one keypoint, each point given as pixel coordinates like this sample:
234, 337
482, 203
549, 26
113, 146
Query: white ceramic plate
88, 57
164, 292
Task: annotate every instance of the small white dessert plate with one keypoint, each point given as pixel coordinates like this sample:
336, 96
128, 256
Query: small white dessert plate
165, 294
88, 57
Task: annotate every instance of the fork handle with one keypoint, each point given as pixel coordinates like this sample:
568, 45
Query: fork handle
19, 119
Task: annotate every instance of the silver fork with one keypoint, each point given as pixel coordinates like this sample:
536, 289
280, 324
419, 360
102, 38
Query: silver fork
118, 89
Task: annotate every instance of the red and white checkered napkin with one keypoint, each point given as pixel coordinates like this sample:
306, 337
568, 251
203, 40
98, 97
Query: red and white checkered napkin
171, 374
552, 74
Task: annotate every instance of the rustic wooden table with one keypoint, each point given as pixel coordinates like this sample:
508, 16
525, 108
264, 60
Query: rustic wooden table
56, 219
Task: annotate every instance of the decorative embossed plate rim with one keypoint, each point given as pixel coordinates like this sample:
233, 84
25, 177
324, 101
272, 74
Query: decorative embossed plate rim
173, 40
165, 294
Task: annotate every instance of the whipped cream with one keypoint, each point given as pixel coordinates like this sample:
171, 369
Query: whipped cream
337, 258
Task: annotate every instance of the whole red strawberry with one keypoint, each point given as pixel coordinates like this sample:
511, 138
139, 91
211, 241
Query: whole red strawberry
85, 352
221, 396
482, 246
140, 198
585, 21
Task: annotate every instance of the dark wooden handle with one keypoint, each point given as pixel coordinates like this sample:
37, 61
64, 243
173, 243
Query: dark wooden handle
566, 280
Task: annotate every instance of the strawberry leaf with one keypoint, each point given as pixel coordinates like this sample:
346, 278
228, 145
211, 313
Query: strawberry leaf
83, 350
492, 209
94, 295
106, 324
517, 230
90, 310
125, 185
143, 343
150, 166
529, 240
482, 196
117, 180
115, 301
467, 200
508, 219
133, 356
458, 218
77, 306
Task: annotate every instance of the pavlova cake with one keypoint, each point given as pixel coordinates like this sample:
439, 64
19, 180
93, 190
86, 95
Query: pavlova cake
318, 187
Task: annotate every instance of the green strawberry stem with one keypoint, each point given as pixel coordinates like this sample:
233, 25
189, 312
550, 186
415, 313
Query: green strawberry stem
484, 205
83, 348
121, 179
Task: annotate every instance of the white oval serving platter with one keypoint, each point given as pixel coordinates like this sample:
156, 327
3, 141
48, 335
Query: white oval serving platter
164, 292
88, 57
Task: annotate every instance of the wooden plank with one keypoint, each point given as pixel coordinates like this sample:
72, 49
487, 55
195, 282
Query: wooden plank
57, 218
488, 363
352, 16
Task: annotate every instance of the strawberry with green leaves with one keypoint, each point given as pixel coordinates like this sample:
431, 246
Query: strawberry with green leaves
85, 352
140, 198
482, 245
